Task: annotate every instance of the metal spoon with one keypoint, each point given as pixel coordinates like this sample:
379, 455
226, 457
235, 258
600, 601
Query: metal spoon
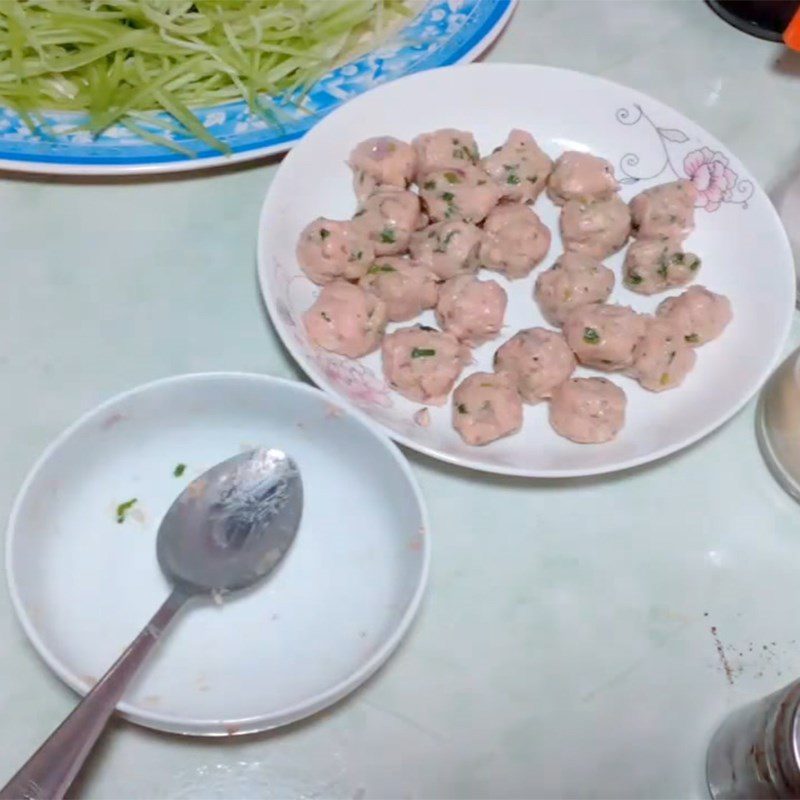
230, 527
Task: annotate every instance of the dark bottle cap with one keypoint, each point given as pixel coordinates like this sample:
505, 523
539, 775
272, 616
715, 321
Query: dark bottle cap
766, 19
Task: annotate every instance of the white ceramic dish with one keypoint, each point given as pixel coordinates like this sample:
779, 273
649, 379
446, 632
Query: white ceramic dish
83, 585
745, 253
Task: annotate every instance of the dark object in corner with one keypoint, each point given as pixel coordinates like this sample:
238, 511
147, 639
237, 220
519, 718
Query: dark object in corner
766, 19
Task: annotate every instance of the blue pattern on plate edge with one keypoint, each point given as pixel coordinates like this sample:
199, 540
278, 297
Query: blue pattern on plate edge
443, 33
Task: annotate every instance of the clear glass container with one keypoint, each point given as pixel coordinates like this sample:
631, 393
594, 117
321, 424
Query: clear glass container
778, 424
787, 201
754, 753
778, 417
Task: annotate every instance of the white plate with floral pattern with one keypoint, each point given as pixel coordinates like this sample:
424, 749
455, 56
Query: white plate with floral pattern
745, 252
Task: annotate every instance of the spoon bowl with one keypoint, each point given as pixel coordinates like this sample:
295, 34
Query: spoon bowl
233, 525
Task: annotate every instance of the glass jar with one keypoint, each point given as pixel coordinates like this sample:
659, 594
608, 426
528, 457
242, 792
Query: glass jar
787, 201
754, 753
778, 416
778, 424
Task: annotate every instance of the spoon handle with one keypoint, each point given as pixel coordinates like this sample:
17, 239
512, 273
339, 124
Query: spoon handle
49, 772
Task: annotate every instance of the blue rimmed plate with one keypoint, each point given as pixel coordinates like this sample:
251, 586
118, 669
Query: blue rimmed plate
444, 32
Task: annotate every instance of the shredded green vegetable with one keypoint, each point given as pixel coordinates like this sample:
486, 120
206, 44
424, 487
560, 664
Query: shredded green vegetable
119, 59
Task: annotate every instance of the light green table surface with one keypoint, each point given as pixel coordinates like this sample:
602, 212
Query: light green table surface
564, 648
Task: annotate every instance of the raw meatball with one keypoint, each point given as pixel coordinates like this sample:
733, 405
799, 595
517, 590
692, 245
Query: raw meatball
423, 364
597, 229
603, 336
661, 358
470, 309
447, 249
444, 149
575, 280
346, 320
699, 315
515, 241
464, 192
388, 218
328, 249
655, 265
382, 161
664, 212
406, 288
520, 167
486, 406
538, 359
588, 410
581, 176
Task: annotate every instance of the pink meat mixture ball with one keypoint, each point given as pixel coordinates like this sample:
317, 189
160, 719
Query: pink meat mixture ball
515, 241
328, 249
573, 281
588, 410
346, 320
655, 265
423, 364
599, 228
447, 248
665, 211
581, 176
698, 314
444, 149
406, 288
382, 161
539, 360
387, 218
470, 309
519, 167
604, 336
486, 407
464, 192
661, 358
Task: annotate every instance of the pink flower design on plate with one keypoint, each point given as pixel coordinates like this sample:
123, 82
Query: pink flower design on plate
357, 382
711, 176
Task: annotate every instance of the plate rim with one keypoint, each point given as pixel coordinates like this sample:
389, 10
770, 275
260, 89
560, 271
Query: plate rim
501, 469
32, 166
192, 726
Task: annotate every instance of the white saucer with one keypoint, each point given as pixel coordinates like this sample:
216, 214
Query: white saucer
83, 584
